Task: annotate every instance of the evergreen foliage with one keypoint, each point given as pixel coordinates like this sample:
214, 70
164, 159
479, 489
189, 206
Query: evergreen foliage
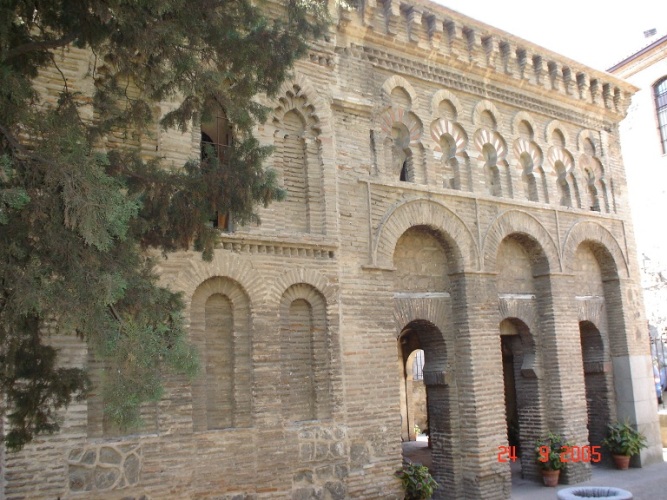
77, 212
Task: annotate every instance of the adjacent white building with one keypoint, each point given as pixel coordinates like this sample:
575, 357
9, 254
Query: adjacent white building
644, 146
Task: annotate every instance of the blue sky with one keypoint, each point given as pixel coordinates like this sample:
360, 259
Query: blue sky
594, 32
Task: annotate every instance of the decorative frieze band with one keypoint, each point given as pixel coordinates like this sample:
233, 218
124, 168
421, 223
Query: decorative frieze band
450, 79
433, 27
301, 250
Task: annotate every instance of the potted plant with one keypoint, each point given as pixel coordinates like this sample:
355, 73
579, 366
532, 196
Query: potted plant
417, 481
548, 452
623, 442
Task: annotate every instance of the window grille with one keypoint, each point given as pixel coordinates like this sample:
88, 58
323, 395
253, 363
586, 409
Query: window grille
660, 90
418, 366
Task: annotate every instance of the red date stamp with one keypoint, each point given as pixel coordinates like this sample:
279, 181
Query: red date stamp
570, 454
508, 452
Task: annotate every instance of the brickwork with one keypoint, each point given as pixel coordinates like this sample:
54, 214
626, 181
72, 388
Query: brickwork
448, 185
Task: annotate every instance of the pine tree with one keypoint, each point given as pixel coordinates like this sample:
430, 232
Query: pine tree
77, 215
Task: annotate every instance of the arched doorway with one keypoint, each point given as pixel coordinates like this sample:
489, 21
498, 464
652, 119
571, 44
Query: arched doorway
523, 288
423, 257
597, 380
597, 292
523, 400
439, 452
414, 413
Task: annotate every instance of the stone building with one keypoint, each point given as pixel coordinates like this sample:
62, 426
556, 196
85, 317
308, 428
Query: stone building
644, 145
451, 188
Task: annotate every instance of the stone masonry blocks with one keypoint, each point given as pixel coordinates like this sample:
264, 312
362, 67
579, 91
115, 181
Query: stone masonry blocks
467, 257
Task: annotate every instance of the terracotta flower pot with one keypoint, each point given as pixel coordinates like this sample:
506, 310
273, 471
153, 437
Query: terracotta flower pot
622, 462
550, 477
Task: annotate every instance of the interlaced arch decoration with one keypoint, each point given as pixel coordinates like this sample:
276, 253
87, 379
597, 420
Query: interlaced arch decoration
294, 99
441, 127
492, 152
592, 172
559, 155
522, 116
398, 81
551, 127
517, 222
300, 87
482, 106
462, 248
403, 153
444, 95
530, 148
298, 161
394, 115
484, 136
567, 178
593, 175
532, 173
594, 139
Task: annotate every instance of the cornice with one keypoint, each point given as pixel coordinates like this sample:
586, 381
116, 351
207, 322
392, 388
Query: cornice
643, 57
641, 60
323, 248
424, 31
576, 113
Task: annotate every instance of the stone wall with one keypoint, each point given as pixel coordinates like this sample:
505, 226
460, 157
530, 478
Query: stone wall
446, 184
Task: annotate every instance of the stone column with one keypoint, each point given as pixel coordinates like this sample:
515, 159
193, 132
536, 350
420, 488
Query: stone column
479, 380
632, 366
566, 410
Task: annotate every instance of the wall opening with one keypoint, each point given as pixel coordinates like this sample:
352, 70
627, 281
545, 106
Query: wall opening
217, 137
597, 380
511, 411
601, 325
414, 414
438, 450
491, 170
523, 401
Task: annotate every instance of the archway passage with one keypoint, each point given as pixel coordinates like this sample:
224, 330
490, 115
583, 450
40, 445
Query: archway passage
523, 401
511, 411
598, 294
598, 382
416, 412
423, 335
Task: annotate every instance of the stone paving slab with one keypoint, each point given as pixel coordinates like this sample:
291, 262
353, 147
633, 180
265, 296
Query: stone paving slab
646, 483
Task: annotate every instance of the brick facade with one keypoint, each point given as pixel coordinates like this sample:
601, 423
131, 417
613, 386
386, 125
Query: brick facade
448, 184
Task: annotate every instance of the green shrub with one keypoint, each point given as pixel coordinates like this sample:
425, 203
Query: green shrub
623, 439
417, 481
548, 450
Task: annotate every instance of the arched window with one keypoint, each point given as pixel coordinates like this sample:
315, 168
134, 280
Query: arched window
528, 177
660, 92
491, 169
401, 152
216, 140
563, 186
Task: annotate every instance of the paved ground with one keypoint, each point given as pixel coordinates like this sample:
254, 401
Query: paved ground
647, 483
